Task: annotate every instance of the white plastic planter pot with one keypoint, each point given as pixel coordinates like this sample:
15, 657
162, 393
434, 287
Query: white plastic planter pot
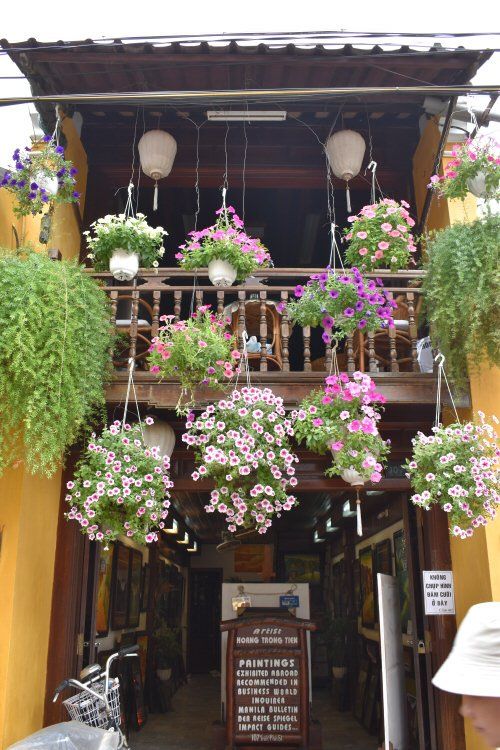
48, 183
352, 477
221, 273
338, 672
477, 185
123, 265
164, 674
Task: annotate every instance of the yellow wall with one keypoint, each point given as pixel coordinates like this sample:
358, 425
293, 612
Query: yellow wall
29, 508
475, 561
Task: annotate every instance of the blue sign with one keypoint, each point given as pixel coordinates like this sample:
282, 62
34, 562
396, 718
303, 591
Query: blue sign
289, 602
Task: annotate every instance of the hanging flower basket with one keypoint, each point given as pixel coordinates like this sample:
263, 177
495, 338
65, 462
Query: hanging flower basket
120, 242
342, 303
475, 168
224, 241
343, 418
197, 351
457, 468
40, 176
243, 444
380, 237
120, 487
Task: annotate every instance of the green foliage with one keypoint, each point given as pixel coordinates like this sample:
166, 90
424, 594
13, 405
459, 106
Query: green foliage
194, 351
341, 304
224, 240
132, 234
335, 634
457, 468
343, 418
380, 236
54, 355
462, 295
168, 645
470, 159
120, 486
31, 177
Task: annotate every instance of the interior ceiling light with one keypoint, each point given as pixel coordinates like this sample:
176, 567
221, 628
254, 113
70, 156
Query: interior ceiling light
173, 529
346, 510
185, 540
244, 115
317, 537
329, 526
194, 548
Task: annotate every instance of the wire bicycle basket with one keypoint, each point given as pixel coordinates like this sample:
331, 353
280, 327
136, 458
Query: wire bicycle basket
91, 711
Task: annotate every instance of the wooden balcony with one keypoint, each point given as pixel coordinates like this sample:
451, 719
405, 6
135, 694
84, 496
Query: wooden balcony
290, 358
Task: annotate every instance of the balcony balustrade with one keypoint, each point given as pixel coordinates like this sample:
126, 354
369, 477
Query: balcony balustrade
291, 358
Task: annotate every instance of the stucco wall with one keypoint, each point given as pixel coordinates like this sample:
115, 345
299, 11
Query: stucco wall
28, 518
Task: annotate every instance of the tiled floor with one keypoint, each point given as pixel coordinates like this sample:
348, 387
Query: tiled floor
196, 705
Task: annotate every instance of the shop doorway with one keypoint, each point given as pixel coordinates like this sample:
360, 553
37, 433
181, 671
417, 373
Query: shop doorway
205, 587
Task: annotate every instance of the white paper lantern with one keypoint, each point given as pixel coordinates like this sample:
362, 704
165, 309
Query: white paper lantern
345, 151
160, 435
157, 150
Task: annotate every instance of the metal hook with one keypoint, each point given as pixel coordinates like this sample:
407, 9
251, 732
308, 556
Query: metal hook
441, 358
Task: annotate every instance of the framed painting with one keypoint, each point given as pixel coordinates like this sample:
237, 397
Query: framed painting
145, 587
356, 576
383, 557
134, 592
120, 587
142, 642
367, 589
302, 568
337, 588
401, 566
249, 558
105, 569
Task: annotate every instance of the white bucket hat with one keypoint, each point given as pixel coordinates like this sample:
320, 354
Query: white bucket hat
473, 666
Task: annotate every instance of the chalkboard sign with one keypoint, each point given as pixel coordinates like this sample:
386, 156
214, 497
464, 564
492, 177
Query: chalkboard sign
267, 682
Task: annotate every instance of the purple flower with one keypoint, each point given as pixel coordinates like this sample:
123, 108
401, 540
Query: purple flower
73, 171
34, 186
362, 323
76, 194
326, 338
59, 150
349, 312
333, 293
327, 322
32, 196
299, 290
359, 306
47, 138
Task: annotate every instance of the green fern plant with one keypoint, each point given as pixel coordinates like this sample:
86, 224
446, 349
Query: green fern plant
462, 293
54, 355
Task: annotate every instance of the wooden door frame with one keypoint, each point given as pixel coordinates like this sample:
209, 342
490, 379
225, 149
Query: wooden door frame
220, 571
67, 620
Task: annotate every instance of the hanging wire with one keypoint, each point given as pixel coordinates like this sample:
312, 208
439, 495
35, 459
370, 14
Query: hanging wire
440, 359
131, 385
225, 183
244, 168
139, 173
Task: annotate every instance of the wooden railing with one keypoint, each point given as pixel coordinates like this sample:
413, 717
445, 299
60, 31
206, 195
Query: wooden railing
275, 344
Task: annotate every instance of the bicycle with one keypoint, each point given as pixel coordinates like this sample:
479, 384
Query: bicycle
97, 704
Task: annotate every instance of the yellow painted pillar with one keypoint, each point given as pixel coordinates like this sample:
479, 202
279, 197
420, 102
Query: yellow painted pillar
29, 511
